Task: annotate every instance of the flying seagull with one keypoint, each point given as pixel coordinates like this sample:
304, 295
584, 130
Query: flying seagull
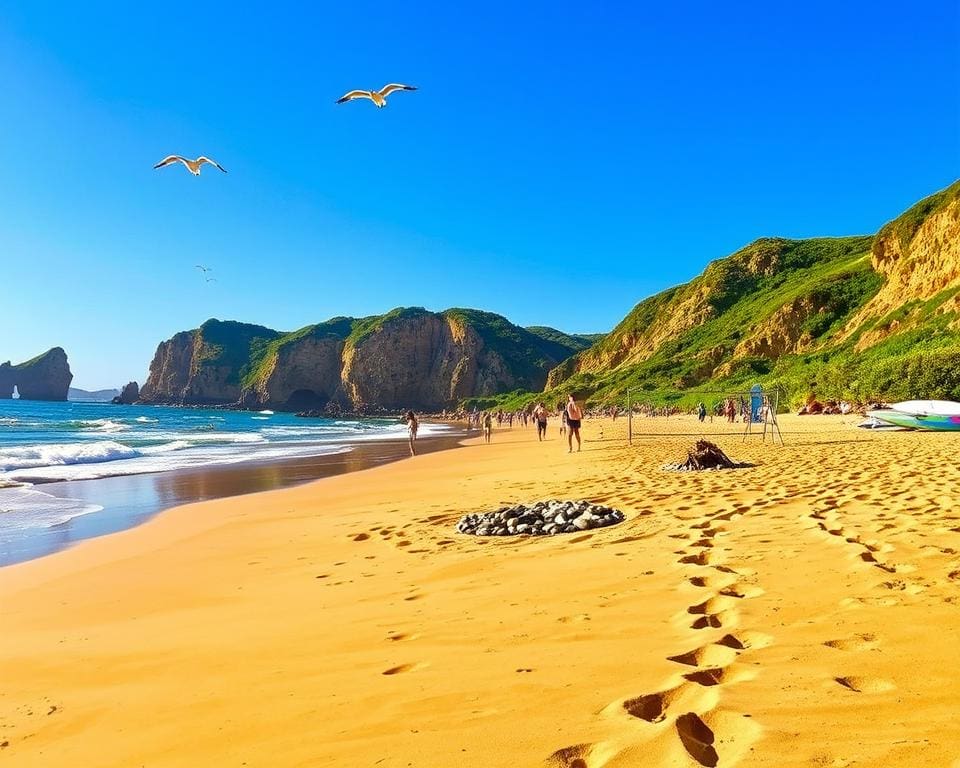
377, 97
203, 268
211, 279
191, 165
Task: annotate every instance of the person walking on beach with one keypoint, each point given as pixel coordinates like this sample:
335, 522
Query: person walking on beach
412, 426
701, 411
487, 426
574, 417
540, 416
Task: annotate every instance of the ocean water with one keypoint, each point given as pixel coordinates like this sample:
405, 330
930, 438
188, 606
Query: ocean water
49, 450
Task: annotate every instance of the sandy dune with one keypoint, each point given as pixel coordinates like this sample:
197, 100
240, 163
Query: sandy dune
803, 612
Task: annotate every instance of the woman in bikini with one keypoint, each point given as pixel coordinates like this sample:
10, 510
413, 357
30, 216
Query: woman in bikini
412, 425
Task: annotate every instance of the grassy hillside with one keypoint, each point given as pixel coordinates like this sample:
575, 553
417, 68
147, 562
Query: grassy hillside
565, 343
775, 313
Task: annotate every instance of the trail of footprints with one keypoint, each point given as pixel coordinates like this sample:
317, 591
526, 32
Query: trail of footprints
690, 705
872, 551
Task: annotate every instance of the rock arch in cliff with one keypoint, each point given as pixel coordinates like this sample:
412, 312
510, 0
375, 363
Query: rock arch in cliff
45, 377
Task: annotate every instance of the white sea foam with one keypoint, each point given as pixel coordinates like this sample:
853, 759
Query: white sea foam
8, 421
30, 456
102, 425
26, 507
179, 454
146, 420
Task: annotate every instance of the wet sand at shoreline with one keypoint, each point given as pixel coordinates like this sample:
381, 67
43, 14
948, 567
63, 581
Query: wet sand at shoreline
130, 500
805, 611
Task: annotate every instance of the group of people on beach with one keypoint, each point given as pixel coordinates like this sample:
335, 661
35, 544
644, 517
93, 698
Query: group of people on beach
571, 416
571, 419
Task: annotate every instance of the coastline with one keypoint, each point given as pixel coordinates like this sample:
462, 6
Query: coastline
131, 500
756, 613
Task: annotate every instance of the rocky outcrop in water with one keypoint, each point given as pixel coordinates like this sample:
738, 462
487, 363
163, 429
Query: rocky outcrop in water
45, 377
129, 395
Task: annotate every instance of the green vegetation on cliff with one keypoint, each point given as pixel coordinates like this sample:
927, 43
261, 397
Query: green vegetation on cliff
265, 351
905, 226
787, 313
408, 354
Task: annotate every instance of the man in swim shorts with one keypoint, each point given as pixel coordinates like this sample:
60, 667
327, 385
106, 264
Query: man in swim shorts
574, 417
540, 416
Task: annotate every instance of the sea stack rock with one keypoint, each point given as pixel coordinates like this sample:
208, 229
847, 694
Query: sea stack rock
45, 377
129, 395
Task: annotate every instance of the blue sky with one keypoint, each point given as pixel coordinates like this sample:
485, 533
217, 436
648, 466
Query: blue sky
559, 163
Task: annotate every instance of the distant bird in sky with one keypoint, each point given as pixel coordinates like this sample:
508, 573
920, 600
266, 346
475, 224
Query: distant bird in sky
203, 268
377, 97
191, 165
211, 279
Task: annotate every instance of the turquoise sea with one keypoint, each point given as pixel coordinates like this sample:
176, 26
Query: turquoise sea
54, 458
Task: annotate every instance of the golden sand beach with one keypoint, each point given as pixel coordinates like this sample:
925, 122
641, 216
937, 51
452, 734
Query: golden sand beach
803, 612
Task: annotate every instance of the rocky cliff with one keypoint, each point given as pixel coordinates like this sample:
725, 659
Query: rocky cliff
128, 395
407, 358
848, 317
204, 366
45, 377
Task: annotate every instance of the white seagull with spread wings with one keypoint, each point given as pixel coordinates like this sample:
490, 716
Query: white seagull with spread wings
191, 165
377, 97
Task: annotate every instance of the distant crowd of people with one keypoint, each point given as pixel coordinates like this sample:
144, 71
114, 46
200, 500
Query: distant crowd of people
571, 416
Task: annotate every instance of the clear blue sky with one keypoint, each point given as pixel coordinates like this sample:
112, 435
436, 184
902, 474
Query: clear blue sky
559, 163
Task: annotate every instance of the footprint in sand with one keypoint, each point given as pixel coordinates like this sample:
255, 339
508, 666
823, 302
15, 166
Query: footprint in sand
713, 621
713, 655
579, 756
710, 677
741, 591
697, 739
701, 558
652, 707
714, 605
745, 639
861, 642
401, 668
360, 536
866, 684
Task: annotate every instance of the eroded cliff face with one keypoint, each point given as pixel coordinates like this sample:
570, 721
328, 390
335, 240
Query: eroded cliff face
408, 358
301, 376
782, 333
170, 370
429, 363
917, 268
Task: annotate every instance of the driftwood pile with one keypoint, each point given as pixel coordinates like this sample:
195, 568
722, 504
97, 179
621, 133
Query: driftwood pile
705, 455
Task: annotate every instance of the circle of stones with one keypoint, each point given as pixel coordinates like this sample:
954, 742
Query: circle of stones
545, 518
